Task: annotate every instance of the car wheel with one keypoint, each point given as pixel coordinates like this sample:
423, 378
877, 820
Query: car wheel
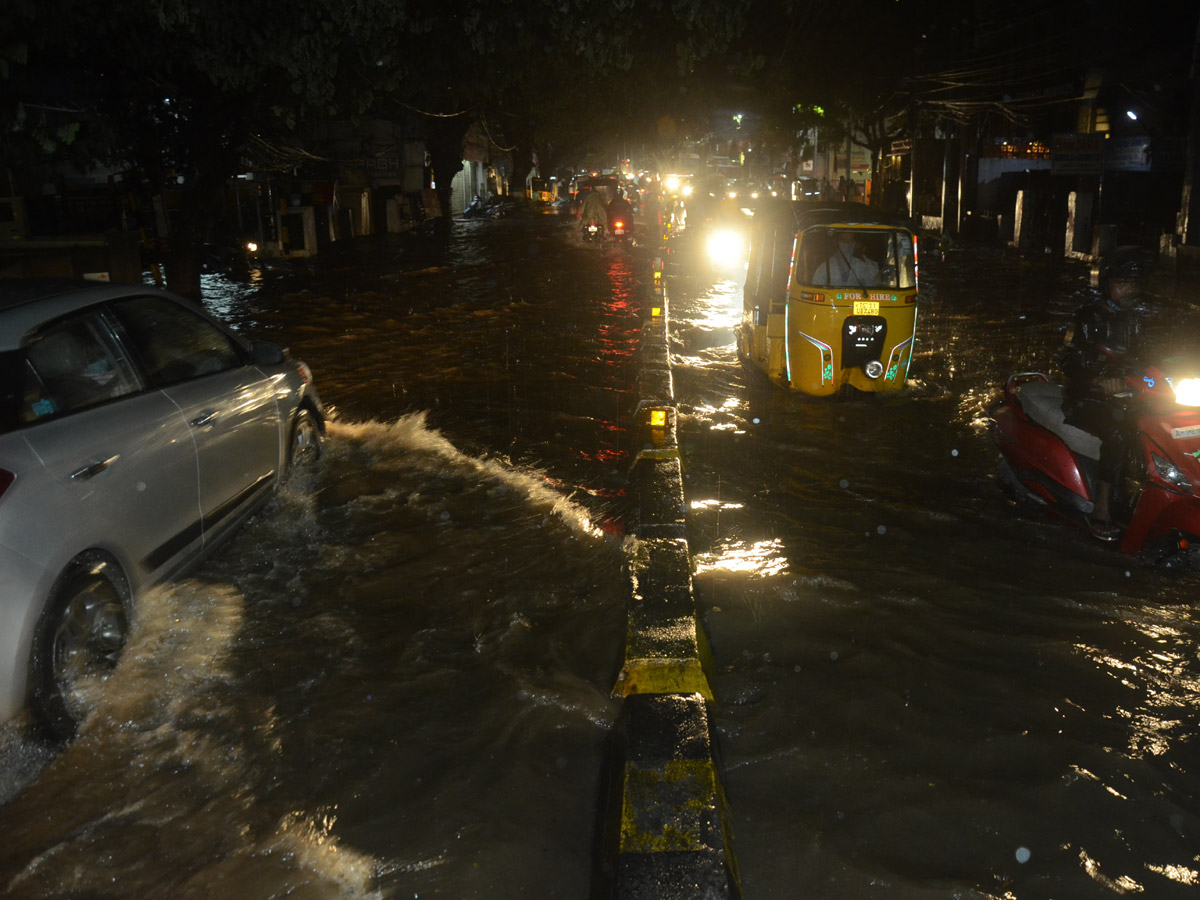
80, 635
305, 447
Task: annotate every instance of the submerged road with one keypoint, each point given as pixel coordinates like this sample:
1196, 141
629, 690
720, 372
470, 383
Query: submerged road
400, 683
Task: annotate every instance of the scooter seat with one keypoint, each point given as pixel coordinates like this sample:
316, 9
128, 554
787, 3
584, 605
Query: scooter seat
1043, 403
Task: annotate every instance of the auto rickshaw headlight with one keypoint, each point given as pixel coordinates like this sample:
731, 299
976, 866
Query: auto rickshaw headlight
1187, 392
725, 249
873, 369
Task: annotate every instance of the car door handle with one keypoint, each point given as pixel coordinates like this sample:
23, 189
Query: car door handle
205, 418
93, 469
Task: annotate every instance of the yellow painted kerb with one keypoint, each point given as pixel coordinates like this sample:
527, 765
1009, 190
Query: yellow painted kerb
663, 811
662, 676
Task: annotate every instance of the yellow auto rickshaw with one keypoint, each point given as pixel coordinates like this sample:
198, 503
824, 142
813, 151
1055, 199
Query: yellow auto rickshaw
830, 297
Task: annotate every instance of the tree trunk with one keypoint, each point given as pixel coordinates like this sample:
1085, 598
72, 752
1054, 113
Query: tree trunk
444, 141
184, 245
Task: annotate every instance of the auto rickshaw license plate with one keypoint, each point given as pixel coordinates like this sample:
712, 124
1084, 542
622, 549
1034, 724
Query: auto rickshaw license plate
866, 307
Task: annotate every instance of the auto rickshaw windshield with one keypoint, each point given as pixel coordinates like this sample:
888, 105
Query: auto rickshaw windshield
857, 257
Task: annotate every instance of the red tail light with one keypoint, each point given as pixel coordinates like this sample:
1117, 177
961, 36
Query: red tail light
618, 224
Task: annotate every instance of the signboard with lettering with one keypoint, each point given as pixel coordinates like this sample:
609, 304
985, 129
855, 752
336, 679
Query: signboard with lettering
1077, 154
1146, 154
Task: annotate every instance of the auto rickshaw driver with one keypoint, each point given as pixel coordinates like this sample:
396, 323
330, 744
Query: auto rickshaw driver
844, 265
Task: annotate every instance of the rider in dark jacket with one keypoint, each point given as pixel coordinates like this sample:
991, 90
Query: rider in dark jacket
621, 210
1105, 340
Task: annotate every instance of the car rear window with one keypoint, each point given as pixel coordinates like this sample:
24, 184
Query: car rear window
72, 364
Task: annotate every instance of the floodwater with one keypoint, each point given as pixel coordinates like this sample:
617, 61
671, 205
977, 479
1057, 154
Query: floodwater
922, 694
395, 681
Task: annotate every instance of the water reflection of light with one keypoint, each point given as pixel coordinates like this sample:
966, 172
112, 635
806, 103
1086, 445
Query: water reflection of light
1163, 676
724, 417
761, 559
720, 307
1180, 874
224, 296
1123, 885
715, 504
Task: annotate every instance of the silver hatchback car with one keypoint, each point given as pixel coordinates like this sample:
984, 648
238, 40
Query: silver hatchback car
135, 432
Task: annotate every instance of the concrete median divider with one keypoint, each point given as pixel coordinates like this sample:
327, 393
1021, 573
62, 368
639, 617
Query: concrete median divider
665, 822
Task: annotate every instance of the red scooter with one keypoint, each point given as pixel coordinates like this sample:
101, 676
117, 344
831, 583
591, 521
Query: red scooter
1049, 464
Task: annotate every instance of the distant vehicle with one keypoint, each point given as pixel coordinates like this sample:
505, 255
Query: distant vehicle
540, 190
136, 432
806, 188
606, 184
830, 299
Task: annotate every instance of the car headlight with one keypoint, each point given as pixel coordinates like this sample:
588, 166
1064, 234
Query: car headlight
725, 249
1170, 473
1187, 392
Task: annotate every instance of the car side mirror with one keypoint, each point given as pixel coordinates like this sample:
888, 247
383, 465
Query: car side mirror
265, 353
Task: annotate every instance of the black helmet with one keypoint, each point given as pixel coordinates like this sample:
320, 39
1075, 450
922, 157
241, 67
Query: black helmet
1126, 264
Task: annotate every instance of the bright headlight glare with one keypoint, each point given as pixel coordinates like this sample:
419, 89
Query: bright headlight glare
724, 248
687, 190
1170, 473
1187, 392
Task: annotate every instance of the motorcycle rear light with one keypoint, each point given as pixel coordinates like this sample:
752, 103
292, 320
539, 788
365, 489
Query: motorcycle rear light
1171, 474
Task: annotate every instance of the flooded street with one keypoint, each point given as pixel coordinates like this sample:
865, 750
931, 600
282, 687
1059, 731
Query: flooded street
923, 694
395, 681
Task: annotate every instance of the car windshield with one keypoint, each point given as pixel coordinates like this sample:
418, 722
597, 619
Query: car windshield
856, 257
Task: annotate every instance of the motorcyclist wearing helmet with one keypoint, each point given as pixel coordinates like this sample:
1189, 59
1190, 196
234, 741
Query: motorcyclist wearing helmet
1104, 341
620, 209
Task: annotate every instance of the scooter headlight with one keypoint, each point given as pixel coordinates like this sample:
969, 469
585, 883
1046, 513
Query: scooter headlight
1171, 473
1187, 392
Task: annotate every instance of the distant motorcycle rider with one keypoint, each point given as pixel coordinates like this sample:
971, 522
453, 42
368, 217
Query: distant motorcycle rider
620, 209
594, 209
1104, 341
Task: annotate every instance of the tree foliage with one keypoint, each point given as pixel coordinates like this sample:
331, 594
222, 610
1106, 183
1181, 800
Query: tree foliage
174, 90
